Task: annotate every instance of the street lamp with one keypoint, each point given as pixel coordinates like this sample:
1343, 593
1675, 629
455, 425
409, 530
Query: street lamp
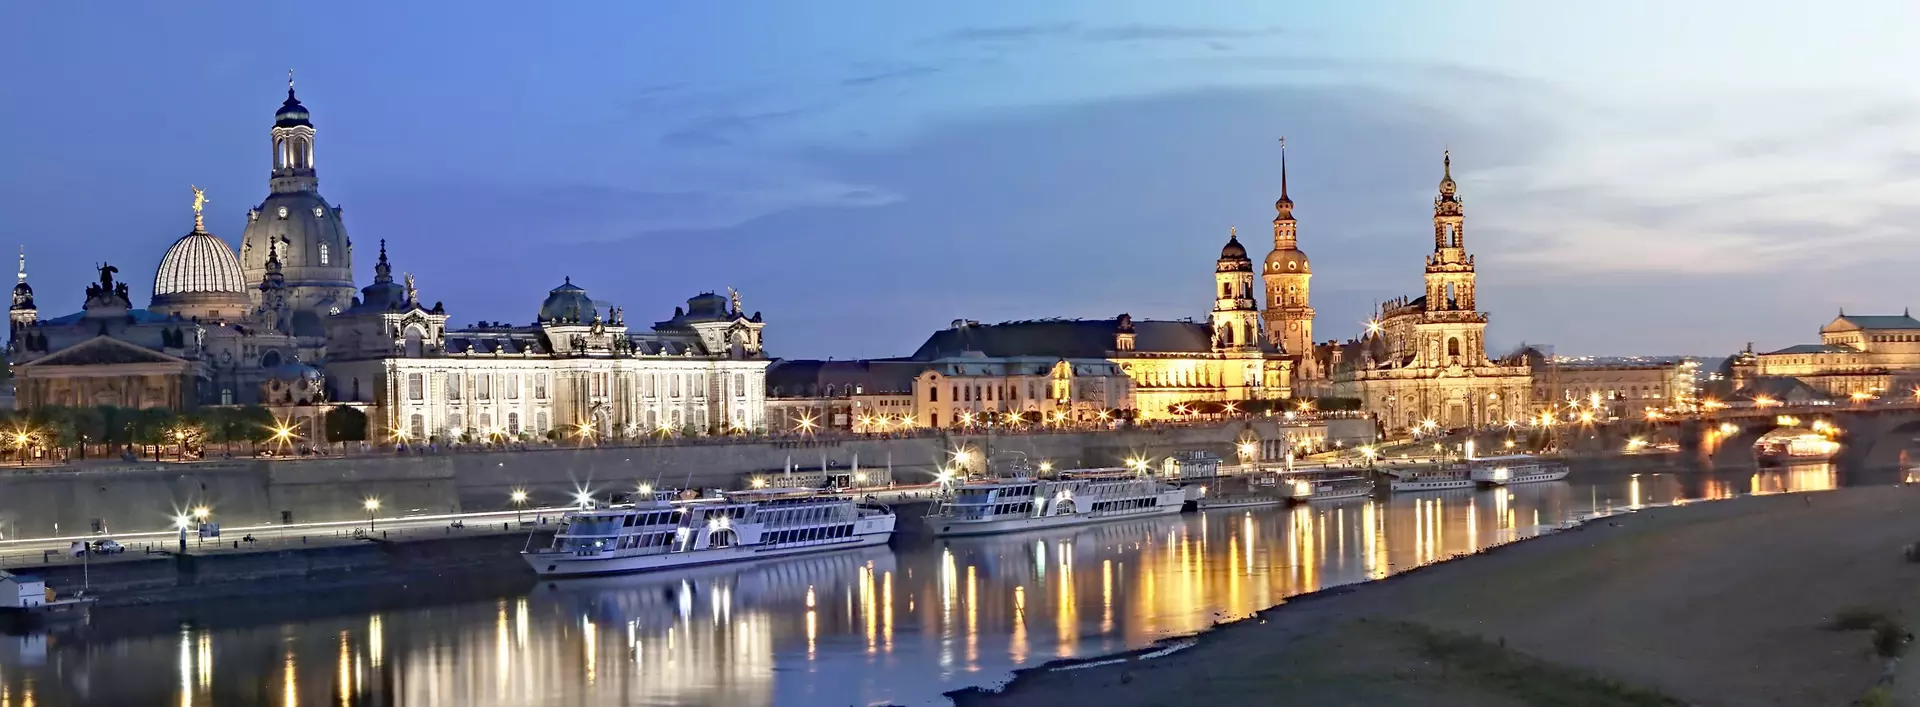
519, 503
371, 504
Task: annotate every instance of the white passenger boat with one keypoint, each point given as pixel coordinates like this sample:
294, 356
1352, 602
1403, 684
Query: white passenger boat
738, 526
1328, 488
1018, 504
1515, 469
1429, 478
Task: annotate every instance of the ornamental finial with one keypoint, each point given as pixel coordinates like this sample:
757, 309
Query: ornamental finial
199, 204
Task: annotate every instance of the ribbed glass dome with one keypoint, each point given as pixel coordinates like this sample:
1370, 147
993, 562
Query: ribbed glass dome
199, 263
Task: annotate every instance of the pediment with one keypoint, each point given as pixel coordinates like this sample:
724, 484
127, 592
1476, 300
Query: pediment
103, 351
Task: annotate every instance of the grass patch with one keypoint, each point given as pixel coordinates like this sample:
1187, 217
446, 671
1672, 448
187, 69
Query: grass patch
1858, 618
1493, 667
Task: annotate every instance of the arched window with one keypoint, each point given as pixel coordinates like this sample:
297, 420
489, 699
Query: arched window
226, 396
1453, 346
323, 254
453, 423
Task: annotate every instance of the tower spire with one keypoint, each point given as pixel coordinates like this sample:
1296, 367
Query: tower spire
23, 265
382, 271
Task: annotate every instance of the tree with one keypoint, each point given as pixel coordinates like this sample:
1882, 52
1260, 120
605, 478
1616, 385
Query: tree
149, 427
253, 423
346, 424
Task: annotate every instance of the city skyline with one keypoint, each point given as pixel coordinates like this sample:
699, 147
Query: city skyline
1019, 163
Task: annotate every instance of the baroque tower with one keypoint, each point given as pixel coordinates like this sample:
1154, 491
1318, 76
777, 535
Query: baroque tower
1289, 316
23, 313
298, 227
1235, 317
1449, 299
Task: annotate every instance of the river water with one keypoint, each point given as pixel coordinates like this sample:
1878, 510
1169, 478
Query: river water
875, 627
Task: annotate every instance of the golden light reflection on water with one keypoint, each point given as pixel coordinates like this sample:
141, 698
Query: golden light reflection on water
720, 635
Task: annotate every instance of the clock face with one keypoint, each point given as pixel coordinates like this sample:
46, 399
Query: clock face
283, 212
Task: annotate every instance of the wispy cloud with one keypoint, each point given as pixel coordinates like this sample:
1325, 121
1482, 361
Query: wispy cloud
899, 73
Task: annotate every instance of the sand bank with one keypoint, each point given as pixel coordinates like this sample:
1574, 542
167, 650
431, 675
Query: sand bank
1722, 603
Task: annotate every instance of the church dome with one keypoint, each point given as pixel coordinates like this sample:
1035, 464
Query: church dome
313, 245
568, 302
1288, 261
199, 263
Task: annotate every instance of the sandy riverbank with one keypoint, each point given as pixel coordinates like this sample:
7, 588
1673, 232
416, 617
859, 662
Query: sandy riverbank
1719, 603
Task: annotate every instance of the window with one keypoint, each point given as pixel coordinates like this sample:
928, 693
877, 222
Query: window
651, 380
453, 423
454, 382
513, 387
676, 385
416, 387
933, 393
323, 252
739, 384
226, 396
483, 385
418, 426
540, 422
540, 389
933, 419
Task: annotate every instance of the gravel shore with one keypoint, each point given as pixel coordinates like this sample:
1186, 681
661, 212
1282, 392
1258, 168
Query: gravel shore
1723, 603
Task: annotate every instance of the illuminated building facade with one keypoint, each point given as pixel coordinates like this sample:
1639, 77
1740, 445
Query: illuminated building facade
1425, 359
281, 324
1857, 354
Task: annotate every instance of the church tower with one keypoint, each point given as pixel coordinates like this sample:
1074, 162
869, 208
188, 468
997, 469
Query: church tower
1235, 317
23, 313
297, 226
1450, 286
1289, 316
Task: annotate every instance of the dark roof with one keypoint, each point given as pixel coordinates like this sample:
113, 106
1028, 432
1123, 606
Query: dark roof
1782, 388
1870, 321
1063, 338
1813, 349
291, 113
807, 378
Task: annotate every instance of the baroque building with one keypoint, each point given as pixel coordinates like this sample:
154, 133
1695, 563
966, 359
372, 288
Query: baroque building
280, 323
1857, 354
1051, 370
1425, 359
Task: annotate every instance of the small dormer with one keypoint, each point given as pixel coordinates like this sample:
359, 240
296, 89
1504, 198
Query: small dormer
1123, 333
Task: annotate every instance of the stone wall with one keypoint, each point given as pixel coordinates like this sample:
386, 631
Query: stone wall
145, 497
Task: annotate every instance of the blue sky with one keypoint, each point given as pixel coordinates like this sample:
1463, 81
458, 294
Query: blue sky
1640, 177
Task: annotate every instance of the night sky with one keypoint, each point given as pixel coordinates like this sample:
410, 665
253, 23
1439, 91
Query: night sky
1640, 177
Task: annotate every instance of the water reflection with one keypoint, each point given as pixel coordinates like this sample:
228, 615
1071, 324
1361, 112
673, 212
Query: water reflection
862, 627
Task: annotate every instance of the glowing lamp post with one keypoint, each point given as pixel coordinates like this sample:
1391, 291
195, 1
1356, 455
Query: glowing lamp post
372, 505
519, 504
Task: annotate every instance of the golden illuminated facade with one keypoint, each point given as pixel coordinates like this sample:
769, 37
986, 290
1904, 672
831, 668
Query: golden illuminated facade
1871, 355
1425, 359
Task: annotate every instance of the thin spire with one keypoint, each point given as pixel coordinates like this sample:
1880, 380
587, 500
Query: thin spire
1283, 167
289, 82
23, 264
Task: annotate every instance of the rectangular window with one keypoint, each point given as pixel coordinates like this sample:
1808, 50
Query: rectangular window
651, 380
416, 386
484, 384
540, 386
676, 385
513, 387
740, 384
454, 381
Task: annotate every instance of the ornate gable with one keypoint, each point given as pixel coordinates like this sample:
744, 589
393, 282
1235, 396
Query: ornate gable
102, 351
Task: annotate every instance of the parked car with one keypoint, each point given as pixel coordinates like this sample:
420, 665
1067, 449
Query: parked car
108, 547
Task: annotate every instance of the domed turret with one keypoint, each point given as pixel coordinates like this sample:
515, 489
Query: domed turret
1233, 256
567, 303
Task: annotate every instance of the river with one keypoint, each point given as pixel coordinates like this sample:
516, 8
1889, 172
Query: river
884, 626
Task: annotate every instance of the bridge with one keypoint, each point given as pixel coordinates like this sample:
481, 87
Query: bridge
1869, 434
